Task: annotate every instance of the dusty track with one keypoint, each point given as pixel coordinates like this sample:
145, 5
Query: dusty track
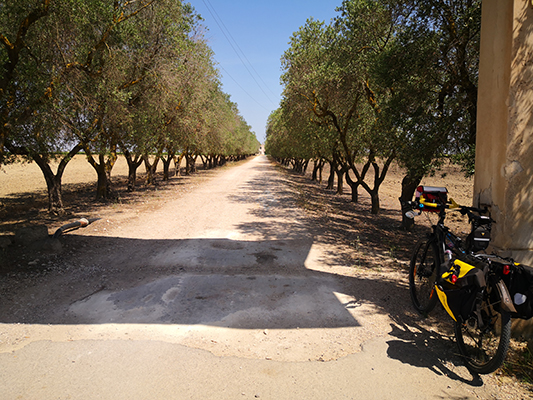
237, 287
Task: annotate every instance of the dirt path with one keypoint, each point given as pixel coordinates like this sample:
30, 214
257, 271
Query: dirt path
226, 290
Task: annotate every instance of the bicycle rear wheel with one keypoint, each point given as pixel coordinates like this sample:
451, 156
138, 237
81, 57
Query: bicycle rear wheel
423, 270
484, 347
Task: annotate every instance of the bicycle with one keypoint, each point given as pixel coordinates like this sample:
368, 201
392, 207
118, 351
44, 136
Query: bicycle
434, 251
470, 286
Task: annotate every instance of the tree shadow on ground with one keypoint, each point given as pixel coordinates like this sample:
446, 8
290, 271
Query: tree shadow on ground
372, 240
262, 284
79, 199
100, 279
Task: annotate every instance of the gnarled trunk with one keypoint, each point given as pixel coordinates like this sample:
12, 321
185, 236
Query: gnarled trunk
190, 163
151, 169
354, 185
177, 164
53, 181
379, 177
409, 184
340, 179
331, 178
166, 165
53, 186
103, 170
318, 165
133, 163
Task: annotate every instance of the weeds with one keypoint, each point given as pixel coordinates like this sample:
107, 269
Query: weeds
519, 363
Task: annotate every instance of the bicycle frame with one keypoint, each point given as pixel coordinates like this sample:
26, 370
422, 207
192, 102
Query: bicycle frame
445, 268
446, 241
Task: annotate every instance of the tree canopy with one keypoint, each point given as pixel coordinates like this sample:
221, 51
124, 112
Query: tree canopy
103, 77
385, 80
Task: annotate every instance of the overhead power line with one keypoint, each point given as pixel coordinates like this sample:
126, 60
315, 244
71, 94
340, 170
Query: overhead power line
224, 29
237, 83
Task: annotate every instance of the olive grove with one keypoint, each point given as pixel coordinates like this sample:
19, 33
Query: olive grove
384, 81
111, 77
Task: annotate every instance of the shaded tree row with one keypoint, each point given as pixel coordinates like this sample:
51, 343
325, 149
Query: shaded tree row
104, 77
385, 80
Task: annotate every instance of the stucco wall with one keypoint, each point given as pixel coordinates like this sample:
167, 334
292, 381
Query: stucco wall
504, 148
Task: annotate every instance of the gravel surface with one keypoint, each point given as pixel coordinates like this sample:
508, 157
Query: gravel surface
248, 262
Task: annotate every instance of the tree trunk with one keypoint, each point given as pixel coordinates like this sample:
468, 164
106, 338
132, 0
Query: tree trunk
205, 160
53, 181
300, 166
151, 169
55, 195
340, 179
53, 185
331, 178
133, 164
103, 171
409, 184
166, 165
101, 183
187, 165
314, 176
190, 165
317, 169
378, 180
132, 176
354, 185
177, 164
306, 164
374, 197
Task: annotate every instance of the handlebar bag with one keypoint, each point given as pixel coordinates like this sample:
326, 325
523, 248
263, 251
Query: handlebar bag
432, 194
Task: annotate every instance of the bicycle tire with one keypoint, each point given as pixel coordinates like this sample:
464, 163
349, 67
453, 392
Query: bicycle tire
484, 350
423, 269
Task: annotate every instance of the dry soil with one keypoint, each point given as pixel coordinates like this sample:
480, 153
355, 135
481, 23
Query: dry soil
247, 266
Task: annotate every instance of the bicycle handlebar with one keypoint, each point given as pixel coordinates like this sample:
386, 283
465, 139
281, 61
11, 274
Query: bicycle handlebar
449, 205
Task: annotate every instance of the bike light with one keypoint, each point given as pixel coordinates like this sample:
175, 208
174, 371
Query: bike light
454, 279
410, 215
506, 269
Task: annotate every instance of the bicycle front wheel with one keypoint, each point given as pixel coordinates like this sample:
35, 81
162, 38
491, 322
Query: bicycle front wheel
484, 347
423, 270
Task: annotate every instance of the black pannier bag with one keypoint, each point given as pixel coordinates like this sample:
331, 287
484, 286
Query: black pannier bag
458, 287
478, 239
521, 291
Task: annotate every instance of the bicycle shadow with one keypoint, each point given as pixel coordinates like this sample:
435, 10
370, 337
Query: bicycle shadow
420, 347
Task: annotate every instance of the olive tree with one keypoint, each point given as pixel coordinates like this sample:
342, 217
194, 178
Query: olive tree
59, 58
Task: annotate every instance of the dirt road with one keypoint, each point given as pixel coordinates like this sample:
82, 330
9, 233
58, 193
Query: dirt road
227, 291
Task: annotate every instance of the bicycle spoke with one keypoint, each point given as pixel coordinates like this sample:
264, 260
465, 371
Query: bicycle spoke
484, 348
422, 276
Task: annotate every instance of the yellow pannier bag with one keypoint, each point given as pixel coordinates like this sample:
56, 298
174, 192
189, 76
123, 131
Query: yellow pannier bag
458, 287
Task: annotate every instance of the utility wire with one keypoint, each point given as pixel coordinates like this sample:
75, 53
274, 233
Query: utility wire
224, 29
243, 54
237, 83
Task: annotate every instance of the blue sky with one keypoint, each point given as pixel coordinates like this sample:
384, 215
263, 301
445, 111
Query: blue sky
261, 31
